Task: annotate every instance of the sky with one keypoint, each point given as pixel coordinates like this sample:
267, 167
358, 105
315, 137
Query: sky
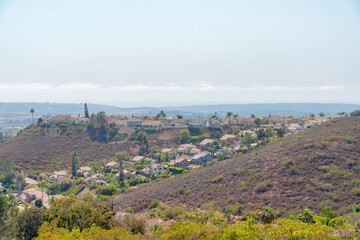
162, 53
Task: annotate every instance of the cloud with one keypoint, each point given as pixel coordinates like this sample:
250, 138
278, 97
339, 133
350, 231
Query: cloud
199, 86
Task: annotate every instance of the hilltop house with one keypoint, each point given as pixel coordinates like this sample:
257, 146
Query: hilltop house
84, 171
151, 123
206, 143
31, 181
186, 148
112, 165
178, 123
138, 158
229, 138
58, 176
134, 122
202, 157
179, 163
94, 178
200, 122
155, 168
213, 123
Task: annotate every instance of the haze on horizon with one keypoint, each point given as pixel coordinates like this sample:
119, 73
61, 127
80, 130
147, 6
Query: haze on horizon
161, 53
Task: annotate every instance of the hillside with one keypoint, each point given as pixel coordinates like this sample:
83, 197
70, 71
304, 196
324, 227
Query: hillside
48, 148
316, 168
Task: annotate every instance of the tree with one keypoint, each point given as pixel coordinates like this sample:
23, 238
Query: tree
74, 163
267, 215
179, 116
19, 180
321, 114
341, 113
120, 157
1, 136
160, 115
306, 216
28, 222
86, 111
252, 116
229, 115
257, 121
280, 132
8, 167
79, 212
65, 184
260, 134
184, 136
355, 113
247, 140
32, 113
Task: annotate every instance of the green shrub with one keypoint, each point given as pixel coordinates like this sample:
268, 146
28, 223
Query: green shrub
262, 187
267, 215
218, 179
154, 203
181, 191
298, 137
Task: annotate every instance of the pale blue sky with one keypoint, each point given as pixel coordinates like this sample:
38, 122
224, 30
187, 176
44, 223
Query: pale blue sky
158, 52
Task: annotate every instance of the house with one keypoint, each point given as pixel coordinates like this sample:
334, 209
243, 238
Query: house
101, 182
112, 165
134, 122
229, 138
81, 120
31, 181
202, 157
194, 150
116, 121
199, 122
178, 123
252, 133
168, 150
179, 163
154, 169
185, 148
94, 178
213, 123
248, 121
30, 195
157, 168
151, 123
206, 143
238, 120
227, 151
84, 171
138, 158
127, 174
58, 176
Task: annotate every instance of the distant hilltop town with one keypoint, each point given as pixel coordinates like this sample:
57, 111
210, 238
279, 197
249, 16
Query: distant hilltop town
162, 121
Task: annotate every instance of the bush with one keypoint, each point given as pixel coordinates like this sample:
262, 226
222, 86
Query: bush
218, 179
28, 223
79, 212
306, 216
181, 191
298, 137
154, 203
267, 215
262, 187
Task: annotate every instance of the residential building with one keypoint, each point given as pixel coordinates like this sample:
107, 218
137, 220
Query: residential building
202, 157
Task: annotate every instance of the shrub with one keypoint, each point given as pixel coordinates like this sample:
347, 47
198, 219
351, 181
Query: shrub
28, 223
306, 216
218, 179
298, 137
267, 215
154, 203
262, 187
79, 212
181, 191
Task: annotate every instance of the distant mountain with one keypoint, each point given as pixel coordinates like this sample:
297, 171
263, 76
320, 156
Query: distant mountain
311, 169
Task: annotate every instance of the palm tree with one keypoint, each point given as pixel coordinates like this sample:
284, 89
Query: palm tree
32, 113
19, 180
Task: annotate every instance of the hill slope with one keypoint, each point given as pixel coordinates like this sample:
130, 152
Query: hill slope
49, 148
319, 167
